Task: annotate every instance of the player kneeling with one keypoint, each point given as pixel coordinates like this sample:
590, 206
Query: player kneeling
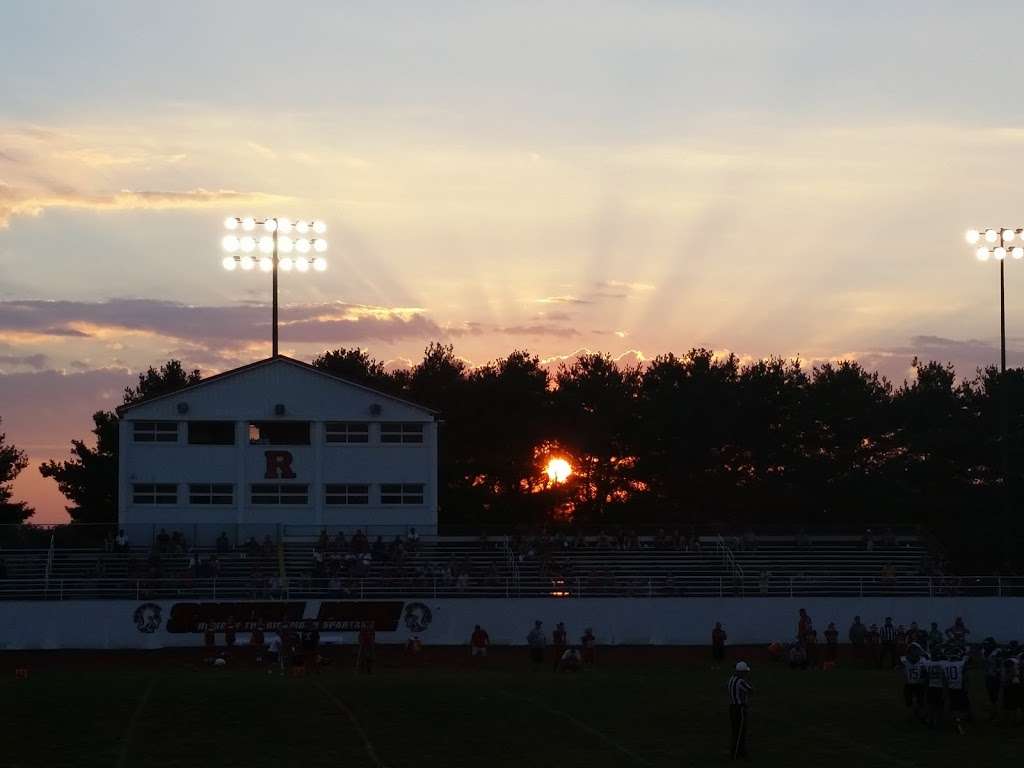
571, 661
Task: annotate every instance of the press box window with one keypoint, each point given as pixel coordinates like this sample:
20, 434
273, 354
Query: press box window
401, 433
279, 493
155, 432
401, 494
335, 494
279, 433
347, 432
211, 433
211, 493
154, 493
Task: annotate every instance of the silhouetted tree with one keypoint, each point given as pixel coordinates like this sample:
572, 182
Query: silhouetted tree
12, 462
356, 365
89, 478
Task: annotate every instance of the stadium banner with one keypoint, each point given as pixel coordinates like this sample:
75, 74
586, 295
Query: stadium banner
142, 624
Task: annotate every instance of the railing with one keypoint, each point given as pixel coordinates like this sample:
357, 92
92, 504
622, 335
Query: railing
637, 585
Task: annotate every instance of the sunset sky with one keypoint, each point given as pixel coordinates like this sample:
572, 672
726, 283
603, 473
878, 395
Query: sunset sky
635, 178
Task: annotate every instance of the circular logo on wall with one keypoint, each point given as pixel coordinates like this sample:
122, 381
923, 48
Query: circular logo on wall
417, 617
148, 617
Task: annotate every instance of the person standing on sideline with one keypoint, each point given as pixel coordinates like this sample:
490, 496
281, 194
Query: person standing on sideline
589, 645
718, 638
887, 636
536, 641
740, 689
831, 643
858, 634
804, 625
559, 639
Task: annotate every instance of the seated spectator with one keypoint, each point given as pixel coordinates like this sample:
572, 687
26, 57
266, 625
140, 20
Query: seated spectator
571, 661
223, 545
121, 541
380, 550
412, 539
108, 542
324, 540
163, 541
797, 656
268, 546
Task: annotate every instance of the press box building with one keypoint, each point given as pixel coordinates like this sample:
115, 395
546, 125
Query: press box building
282, 444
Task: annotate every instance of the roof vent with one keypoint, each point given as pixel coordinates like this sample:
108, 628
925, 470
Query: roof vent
279, 409
182, 408
375, 409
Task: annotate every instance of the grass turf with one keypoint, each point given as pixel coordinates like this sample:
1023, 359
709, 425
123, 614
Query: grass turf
178, 712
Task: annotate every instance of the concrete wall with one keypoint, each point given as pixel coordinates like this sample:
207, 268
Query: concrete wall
668, 621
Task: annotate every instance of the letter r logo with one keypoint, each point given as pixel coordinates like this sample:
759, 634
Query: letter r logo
279, 465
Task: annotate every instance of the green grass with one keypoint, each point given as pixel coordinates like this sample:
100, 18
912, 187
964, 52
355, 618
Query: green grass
175, 712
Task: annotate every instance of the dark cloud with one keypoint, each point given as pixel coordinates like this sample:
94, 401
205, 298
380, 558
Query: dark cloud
215, 326
537, 329
37, 361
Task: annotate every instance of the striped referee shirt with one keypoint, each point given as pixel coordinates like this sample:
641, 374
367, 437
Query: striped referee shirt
887, 633
739, 690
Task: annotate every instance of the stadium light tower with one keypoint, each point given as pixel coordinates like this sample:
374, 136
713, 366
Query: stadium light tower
997, 244
298, 253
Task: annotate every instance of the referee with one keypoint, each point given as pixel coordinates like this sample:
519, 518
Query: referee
739, 694
887, 634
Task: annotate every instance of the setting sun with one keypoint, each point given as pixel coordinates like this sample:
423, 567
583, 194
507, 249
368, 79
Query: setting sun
558, 470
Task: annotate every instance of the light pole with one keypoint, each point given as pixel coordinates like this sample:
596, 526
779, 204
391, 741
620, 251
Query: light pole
998, 243
277, 238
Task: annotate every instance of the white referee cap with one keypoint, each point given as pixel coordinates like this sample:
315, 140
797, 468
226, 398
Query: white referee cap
742, 666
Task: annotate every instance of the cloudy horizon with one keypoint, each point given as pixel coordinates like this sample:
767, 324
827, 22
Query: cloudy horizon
633, 179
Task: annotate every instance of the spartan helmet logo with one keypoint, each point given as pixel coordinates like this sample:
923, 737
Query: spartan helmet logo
147, 618
417, 617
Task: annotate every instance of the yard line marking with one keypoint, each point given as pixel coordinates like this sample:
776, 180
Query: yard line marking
581, 725
367, 744
130, 729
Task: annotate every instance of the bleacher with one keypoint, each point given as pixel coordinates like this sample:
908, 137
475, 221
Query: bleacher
438, 567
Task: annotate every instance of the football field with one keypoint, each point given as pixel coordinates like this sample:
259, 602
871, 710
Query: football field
174, 710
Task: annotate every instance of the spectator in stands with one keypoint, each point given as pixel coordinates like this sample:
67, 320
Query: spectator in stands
256, 639
858, 635
934, 638
479, 641
718, 638
764, 582
121, 541
223, 545
873, 638
323, 541
230, 633
412, 540
536, 641
380, 550
268, 546
3, 569
163, 541
869, 540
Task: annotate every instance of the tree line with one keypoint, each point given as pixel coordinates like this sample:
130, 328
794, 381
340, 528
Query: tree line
680, 441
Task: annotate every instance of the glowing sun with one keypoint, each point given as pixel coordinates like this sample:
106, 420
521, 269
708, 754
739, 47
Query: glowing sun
558, 470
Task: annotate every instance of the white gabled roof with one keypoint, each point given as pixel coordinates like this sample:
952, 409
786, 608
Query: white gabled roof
155, 406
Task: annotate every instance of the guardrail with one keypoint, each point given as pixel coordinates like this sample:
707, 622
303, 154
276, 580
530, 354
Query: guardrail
621, 586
